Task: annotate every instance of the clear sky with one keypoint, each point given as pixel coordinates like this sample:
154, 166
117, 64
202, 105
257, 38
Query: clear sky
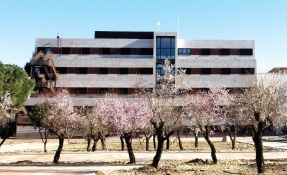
264, 21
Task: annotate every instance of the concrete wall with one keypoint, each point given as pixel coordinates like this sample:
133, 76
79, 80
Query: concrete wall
142, 61
98, 80
221, 44
202, 81
215, 61
96, 43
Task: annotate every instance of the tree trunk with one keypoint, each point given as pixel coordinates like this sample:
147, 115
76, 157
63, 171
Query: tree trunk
60, 147
89, 139
128, 139
167, 143
257, 139
196, 139
230, 136
103, 142
45, 138
122, 143
156, 159
3, 140
211, 145
154, 143
94, 147
147, 142
179, 141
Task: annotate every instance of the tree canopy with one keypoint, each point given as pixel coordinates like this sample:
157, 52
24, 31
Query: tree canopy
15, 80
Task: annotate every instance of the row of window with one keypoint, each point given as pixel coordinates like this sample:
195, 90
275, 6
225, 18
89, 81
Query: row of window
224, 71
161, 53
101, 90
100, 51
193, 51
99, 70
159, 70
129, 90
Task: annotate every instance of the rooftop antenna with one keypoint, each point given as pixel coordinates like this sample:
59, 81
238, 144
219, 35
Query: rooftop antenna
178, 26
158, 25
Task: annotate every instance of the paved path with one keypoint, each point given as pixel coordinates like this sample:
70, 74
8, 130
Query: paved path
103, 156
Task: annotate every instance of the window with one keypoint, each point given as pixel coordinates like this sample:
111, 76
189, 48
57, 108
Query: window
226, 71
123, 90
83, 70
183, 51
245, 52
146, 71
86, 51
82, 90
62, 70
188, 71
165, 47
225, 52
205, 51
125, 51
103, 90
44, 49
103, 71
65, 50
146, 51
206, 71
124, 71
106, 51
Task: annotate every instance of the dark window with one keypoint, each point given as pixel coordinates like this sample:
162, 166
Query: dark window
106, 51
103, 90
123, 90
82, 91
124, 71
206, 71
65, 50
226, 71
205, 51
103, 70
83, 70
62, 70
125, 51
225, 52
245, 52
187, 71
146, 51
247, 70
146, 70
41, 49
86, 51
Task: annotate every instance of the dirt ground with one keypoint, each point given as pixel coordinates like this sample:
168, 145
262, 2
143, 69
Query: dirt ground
179, 167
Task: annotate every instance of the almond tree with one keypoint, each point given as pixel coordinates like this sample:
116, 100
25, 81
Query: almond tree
128, 119
164, 102
6, 114
205, 110
60, 117
264, 104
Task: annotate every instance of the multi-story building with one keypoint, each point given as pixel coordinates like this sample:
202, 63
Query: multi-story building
111, 61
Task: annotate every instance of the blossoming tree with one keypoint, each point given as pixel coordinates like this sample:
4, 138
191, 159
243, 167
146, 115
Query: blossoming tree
127, 119
264, 104
60, 117
164, 102
205, 110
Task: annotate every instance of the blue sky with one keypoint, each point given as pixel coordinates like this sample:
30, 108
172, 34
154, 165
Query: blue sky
264, 21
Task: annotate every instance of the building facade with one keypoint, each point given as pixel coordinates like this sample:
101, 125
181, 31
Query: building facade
111, 62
